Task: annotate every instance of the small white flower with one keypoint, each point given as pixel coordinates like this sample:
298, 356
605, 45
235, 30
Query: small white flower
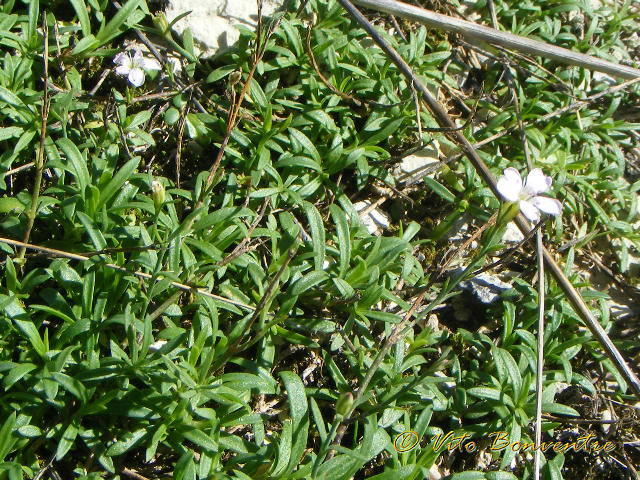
531, 204
134, 66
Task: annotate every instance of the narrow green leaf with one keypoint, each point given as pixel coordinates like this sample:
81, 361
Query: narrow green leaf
16, 373
284, 450
440, 189
112, 29
77, 163
95, 235
10, 132
308, 281
317, 234
128, 441
71, 385
299, 411
185, 467
201, 439
83, 16
344, 239
470, 475
67, 440
307, 145
6, 440
117, 181
11, 98
13, 309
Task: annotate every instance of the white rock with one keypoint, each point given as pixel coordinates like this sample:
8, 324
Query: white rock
448, 384
606, 416
512, 234
212, 22
157, 345
413, 165
487, 288
434, 472
374, 220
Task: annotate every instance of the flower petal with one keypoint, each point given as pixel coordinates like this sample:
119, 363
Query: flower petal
510, 184
121, 58
136, 76
529, 210
150, 64
547, 205
137, 57
537, 182
123, 70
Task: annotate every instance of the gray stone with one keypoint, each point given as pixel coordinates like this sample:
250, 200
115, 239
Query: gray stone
374, 219
486, 287
413, 165
213, 22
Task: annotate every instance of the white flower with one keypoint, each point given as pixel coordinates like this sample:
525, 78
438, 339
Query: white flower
510, 187
134, 66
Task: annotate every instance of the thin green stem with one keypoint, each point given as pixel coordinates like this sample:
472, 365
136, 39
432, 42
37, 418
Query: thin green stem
540, 355
37, 183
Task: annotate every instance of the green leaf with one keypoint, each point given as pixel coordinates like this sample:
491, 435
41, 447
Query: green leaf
283, 456
67, 440
77, 163
115, 184
305, 143
95, 235
440, 190
201, 439
129, 440
29, 431
317, 234
221, 72
11, 276
12, 99
257, 95
16, 373
71, 385
185, 467
112, 29
344, 239
299, 411
559, 409
10, 132
470, 475
491, 394
6, 440
10, 204
83, 16
87, 44
383, 133
171, 116
15, 312
307, 282
505, 361
500, 476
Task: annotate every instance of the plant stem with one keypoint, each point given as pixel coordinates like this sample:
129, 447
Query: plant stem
540, 355
31, 214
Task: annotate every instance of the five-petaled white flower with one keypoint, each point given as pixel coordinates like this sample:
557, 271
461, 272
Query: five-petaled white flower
134, 66
511, 188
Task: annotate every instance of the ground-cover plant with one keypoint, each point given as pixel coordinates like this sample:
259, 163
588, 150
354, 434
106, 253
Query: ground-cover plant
176, 317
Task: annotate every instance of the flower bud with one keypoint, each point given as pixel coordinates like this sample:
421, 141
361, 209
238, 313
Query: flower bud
234, 77
157, 194
160, 21
344, 404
